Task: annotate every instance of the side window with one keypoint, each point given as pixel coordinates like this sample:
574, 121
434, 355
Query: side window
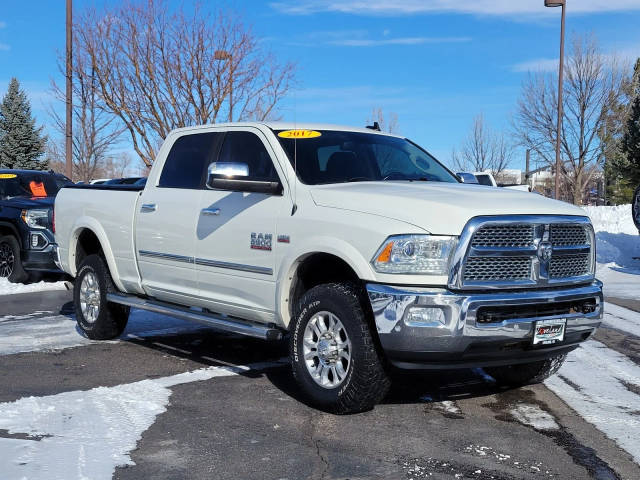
188, 160
246, 147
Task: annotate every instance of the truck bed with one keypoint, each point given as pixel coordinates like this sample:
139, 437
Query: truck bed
109, 211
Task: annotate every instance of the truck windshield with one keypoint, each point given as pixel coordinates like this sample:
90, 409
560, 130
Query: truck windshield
30, 184
331, 156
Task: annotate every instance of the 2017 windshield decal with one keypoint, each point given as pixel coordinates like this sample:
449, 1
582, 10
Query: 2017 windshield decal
299, 134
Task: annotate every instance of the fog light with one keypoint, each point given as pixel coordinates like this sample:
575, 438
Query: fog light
420, 316
35, 239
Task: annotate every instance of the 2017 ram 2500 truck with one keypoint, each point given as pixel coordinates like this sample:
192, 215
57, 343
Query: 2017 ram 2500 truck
358, 245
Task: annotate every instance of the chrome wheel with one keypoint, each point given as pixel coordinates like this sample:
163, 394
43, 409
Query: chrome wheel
7, 260
90, 297
327, 350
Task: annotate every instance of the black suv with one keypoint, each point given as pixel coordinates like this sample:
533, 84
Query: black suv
26, 223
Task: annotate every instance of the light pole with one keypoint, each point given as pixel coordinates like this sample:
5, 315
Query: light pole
224, 55
69, 81
559, 3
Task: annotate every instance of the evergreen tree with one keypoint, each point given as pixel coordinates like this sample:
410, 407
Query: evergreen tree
21, 142
631, 138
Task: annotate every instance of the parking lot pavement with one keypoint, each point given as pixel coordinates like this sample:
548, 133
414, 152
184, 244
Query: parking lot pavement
175, 400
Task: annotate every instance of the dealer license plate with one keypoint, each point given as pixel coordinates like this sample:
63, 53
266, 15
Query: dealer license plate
547, 332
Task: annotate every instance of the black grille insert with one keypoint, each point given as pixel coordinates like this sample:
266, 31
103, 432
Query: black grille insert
497, 314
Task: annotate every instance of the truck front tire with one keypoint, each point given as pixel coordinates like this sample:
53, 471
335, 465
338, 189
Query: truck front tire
526, 373
10, 262
97, 318
333, 354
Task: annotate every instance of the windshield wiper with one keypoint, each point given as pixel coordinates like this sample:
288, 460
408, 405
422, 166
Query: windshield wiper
360, 179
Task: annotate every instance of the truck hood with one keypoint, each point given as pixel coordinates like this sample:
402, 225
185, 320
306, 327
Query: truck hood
439, 208
29, 202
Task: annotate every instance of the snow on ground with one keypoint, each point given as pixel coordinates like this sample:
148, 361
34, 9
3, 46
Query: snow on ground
618, 250
87, 434
534, 416
601, 385
30, 333
8, 288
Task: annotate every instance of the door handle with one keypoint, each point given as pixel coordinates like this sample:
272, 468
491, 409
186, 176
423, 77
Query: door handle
210, 211
148, 207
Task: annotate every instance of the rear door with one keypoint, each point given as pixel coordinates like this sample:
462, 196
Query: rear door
236, 234
167, 218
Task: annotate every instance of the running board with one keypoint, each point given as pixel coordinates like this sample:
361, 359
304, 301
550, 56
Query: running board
219, 322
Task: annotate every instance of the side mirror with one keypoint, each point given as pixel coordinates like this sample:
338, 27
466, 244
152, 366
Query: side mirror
234, 176
466, 177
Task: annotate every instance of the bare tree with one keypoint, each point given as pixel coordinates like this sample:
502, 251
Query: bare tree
159, 69
483, 150
388, 123
592, 81
95, 131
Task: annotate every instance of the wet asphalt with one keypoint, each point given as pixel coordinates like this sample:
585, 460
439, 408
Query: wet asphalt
445, 425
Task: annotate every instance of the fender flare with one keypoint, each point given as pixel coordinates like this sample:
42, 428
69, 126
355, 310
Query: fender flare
319, 245
91, 224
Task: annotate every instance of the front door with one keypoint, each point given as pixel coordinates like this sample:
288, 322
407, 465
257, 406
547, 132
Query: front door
236, 235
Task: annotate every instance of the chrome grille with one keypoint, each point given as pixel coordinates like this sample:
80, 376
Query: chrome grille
565, 235
484, 269
567, 266
504, 236
524, 251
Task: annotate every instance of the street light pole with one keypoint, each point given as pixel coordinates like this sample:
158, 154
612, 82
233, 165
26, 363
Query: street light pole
559, 3
69, 81
224, 55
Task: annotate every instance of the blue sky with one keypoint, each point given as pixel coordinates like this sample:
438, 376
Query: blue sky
435, 63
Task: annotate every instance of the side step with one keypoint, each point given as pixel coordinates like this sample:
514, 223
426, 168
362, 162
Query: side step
219, 322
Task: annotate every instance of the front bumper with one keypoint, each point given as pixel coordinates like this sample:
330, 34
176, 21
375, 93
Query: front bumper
456, 339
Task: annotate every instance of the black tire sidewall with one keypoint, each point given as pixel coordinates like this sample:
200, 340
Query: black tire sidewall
112, 318
318, 299
18, 275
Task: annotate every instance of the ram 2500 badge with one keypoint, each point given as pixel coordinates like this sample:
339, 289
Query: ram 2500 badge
357, 245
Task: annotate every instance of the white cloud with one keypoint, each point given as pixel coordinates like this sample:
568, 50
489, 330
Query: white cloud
369, 42
479, 7
537, 65
4, 47
3, 24
362, 38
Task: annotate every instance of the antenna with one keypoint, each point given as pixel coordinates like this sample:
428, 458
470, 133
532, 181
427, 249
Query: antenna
375, 126
294, 208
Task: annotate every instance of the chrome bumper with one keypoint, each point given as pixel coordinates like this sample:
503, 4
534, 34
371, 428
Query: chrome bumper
454, 338
56, 257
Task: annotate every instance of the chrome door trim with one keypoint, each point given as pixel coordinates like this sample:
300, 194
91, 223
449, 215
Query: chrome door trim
234, 266
165, 256
206, 262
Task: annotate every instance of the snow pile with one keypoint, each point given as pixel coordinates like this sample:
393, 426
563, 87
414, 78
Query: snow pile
618, 250
8, 288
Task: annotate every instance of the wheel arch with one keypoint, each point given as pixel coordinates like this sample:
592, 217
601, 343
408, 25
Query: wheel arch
310, 269
88, 237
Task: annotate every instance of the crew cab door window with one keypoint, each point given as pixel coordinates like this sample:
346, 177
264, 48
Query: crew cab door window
167, 216
246, 147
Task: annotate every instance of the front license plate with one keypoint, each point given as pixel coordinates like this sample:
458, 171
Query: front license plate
547, 332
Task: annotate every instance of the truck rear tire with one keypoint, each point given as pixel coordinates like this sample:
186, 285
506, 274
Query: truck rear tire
333, 354
526, 373
97, 318
10, 262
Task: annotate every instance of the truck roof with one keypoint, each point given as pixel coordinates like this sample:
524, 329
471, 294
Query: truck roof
290, 126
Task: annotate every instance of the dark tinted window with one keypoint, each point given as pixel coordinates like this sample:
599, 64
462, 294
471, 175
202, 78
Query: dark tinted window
188, 160
246, 147
342, 156
30, 184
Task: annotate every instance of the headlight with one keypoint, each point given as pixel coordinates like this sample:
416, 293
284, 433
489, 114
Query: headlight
36, 218
415, 255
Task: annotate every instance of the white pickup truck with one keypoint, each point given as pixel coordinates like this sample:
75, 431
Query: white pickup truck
357, 245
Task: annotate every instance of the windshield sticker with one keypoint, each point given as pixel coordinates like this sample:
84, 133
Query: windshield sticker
7, 175
299, 134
